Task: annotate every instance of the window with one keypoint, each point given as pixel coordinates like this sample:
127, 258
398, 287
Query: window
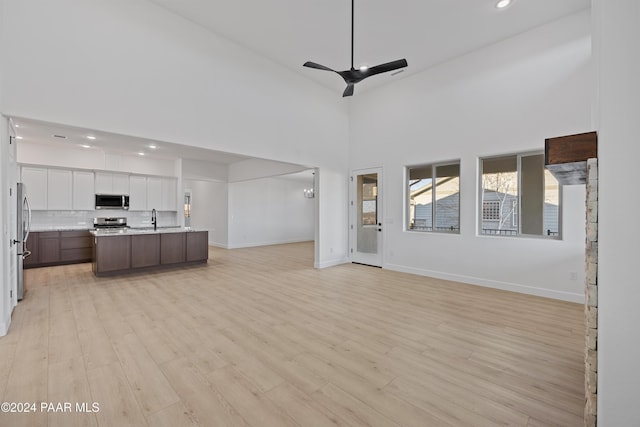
519, 197
491, 211
434, 197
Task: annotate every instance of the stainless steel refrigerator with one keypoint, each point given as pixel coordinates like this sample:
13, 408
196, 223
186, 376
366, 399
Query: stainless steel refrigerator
24, 224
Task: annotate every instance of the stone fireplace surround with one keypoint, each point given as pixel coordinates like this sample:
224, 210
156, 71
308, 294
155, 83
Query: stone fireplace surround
591, 297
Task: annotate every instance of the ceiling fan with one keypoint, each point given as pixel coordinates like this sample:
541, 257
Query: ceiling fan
353, 76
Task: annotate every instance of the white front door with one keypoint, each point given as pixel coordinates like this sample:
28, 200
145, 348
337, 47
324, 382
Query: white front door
366, 216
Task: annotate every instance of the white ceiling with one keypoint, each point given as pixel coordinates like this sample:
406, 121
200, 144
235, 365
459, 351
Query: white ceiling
291, 32
425, 32
39, 132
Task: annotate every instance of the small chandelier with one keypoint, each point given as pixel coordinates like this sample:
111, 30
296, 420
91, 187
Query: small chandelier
309, 193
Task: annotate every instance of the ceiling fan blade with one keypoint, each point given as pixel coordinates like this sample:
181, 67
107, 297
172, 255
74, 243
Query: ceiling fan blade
317, 66
349, 90
384, 68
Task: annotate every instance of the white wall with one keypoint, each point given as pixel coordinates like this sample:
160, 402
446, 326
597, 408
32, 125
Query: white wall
502, 99
209, 209
331, 188
130, 67
271, 211
617, 57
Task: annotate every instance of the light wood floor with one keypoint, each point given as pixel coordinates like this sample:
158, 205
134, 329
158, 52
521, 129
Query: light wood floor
258, 337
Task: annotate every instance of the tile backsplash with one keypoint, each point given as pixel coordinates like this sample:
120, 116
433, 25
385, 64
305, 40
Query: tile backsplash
75, 219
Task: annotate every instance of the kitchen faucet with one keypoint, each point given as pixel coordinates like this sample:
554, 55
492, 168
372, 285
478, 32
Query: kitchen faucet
154, 219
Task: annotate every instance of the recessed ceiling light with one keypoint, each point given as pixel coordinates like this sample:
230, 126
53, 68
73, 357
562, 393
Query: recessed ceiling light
91, 137
363, 68
18, 137
140, 153
17, 125
85, 146
152, 146
503, 3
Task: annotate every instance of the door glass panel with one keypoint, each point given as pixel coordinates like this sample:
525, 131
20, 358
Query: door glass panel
367, 213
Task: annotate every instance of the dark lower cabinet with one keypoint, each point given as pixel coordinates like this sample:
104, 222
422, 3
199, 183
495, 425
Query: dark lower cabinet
75, 246
197, 246
32, 245
172, 248
145, 250
112, 253
116, 253
123, 254
49, 247
58, 247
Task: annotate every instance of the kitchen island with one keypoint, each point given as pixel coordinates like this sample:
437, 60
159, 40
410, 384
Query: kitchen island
131, 250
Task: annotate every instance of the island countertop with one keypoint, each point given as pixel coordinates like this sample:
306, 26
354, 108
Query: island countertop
141, 230
45, 228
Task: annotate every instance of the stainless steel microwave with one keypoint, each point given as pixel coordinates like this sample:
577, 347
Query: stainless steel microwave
112, 201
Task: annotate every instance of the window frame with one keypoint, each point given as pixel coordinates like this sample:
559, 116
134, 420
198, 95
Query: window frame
516, 217
407, 203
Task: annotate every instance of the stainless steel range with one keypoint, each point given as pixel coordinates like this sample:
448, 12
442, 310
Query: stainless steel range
110, 223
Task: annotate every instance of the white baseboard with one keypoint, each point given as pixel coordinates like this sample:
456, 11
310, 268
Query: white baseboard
4, 325
267, 243
505, 286
218, 245
331, 263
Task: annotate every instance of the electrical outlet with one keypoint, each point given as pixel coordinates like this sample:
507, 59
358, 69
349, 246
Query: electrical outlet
573, 275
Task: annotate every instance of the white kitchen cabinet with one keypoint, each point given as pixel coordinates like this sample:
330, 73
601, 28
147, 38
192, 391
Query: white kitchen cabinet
154, 193
169, 194
83, 191
111, 183
59, 190
137, 193
103, 183
35, 180
120, 183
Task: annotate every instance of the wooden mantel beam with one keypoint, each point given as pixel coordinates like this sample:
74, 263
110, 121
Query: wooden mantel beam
566, 156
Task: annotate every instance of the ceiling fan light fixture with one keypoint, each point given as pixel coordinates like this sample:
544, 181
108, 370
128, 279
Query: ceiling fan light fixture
363, 68
503, 3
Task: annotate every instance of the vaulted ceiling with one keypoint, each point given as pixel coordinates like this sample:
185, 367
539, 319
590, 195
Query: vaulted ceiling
290, 32
425, 32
